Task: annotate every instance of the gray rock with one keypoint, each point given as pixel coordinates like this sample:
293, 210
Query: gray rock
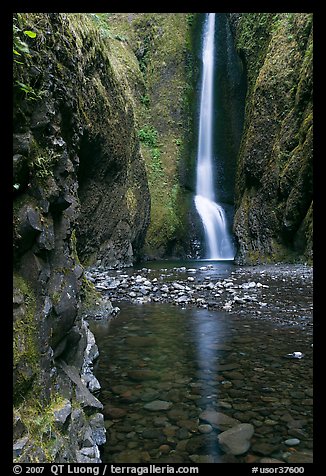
21, 143
61, 415
292, 442
236, 440
178, 286
19, 446
83, 395
88, 441
88, 455
182, 299
218, 420
18, 427
158, 405
205, 428
91, 382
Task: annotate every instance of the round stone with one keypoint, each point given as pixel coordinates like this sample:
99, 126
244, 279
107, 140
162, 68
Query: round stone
205, 428
292, 442
236, 440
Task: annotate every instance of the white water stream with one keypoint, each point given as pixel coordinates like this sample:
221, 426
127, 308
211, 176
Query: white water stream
217, 239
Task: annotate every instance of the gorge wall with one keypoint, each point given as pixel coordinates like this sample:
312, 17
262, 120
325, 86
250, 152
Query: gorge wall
273, 199
79, 184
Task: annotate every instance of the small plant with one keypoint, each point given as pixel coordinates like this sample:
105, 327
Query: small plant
31, 95
43, 165
190, 19
145, 100
148, 135
20, 47
101, 21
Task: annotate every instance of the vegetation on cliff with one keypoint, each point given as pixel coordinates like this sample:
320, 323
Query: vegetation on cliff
273, 220
156, 57
77, 173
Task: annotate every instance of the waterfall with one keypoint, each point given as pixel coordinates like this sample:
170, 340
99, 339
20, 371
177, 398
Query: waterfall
217, 239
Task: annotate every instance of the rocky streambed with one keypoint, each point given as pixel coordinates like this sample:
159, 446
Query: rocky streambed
282, 293
206, 364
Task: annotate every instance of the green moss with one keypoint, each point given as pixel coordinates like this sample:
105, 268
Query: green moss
276, 149
39, 421
26, 356
252, 39
131, 202
89, 295
162, 97
73, 247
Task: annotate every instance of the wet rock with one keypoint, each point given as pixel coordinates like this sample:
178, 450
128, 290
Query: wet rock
157, 405
178, 286
190, 425
176, 414
150, 434
205, 428
22, 143
128, 456
202, 458
197, 444
144, 374
270, 460
218, 420
250, 458
298, 433
292, 442
182, 434
165, 449
170, 430
236, 440
300, 457
150, 396
182, 299
114, 412
160, 421
263, 448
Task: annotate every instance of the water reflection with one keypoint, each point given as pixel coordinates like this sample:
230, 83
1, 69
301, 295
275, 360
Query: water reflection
196, 360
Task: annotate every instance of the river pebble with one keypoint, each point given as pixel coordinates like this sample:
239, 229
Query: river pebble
157, 405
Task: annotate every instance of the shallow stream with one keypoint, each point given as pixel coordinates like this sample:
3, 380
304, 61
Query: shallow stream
174, 377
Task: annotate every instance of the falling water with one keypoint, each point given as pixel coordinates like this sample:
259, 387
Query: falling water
218, 241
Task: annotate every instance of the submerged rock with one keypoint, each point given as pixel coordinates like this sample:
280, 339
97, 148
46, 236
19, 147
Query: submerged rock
158, 405
236, 440
218, 420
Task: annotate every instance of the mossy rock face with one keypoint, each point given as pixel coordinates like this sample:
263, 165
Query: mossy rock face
26, 356
274, 172
159, 76
76, 123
